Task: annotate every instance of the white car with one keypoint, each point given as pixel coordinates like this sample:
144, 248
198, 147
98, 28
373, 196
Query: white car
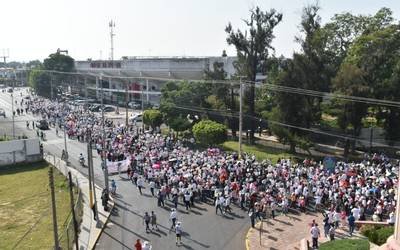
136, 118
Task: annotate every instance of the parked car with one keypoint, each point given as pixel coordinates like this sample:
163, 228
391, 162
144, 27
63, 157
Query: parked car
95, 107
134, 105
42, 125
2, 113
136, 118
108, 109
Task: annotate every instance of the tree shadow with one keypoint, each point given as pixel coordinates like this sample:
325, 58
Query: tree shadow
128, 230
284, 222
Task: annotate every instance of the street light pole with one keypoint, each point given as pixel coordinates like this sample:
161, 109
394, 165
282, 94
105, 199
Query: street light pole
104, 136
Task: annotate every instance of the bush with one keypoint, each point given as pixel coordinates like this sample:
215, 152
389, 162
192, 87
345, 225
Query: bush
209, 133
377, 234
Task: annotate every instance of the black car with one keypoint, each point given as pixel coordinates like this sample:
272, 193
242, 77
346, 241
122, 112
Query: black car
42, 125
95, 107
109, 109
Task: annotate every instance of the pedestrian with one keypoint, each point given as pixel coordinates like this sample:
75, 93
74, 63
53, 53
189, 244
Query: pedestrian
326, 226
332, 232
315, 235
175, 200
178, 231
352, 223
172, 218
56, 131
138, 245
218, 206
187, 200
113, 187
146, 246
146, 220
152, 185
252, 216
140, 184
153, 220
27, 124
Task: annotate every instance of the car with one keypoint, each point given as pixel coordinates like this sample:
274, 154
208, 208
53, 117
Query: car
156, 106
42, 125
95, 107
28, 97
136, 118
9, 90
108, 109
2, 113
134, 105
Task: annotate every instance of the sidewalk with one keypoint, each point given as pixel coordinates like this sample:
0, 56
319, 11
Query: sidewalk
286, 232
89, 232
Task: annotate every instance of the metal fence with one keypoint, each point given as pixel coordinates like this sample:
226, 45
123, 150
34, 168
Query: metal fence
66, 236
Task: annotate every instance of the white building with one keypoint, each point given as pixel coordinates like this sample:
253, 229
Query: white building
143, 77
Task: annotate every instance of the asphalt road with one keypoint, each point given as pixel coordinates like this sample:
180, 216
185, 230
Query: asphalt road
203, 229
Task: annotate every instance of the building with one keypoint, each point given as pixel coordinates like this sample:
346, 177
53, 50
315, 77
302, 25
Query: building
143, 77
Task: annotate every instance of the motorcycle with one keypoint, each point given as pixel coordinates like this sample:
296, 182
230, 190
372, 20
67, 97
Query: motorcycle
82, 162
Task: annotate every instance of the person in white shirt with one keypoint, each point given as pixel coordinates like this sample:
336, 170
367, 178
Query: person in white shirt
356, 213
140, 184
152, 185
315, 235
172, 217
392, 219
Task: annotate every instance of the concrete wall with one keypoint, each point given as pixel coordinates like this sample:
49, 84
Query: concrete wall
17, 151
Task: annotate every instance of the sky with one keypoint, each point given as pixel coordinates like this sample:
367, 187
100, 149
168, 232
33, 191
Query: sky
34, 29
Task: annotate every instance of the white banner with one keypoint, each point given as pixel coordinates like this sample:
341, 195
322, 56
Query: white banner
118, 166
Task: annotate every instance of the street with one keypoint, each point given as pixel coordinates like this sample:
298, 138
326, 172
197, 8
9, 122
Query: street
202, 228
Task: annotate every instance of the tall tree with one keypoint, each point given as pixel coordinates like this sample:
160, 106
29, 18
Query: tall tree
253, 47
41, 80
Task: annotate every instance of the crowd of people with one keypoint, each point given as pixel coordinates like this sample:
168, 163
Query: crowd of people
172, 170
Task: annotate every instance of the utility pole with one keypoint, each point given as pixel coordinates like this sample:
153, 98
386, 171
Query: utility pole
111, 24
89, 149
5, 56
126, 105
370, 138
92, 186
51, 86
12, 106
104, 137
65, 144
71, 196
143, 107
397, 216
53, 207
240, 116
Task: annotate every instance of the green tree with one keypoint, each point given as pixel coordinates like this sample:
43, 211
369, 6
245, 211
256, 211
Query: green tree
377, 54
178, 99
209, 133
253, 47
41, 81
152, 118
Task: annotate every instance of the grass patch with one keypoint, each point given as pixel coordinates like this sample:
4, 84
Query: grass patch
24, 198
261, 152
345, 244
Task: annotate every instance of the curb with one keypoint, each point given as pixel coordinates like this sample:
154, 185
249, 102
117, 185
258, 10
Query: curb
247, 235
104, 225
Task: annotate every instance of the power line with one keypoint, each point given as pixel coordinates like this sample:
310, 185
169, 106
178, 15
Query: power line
235, 82
234, 115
